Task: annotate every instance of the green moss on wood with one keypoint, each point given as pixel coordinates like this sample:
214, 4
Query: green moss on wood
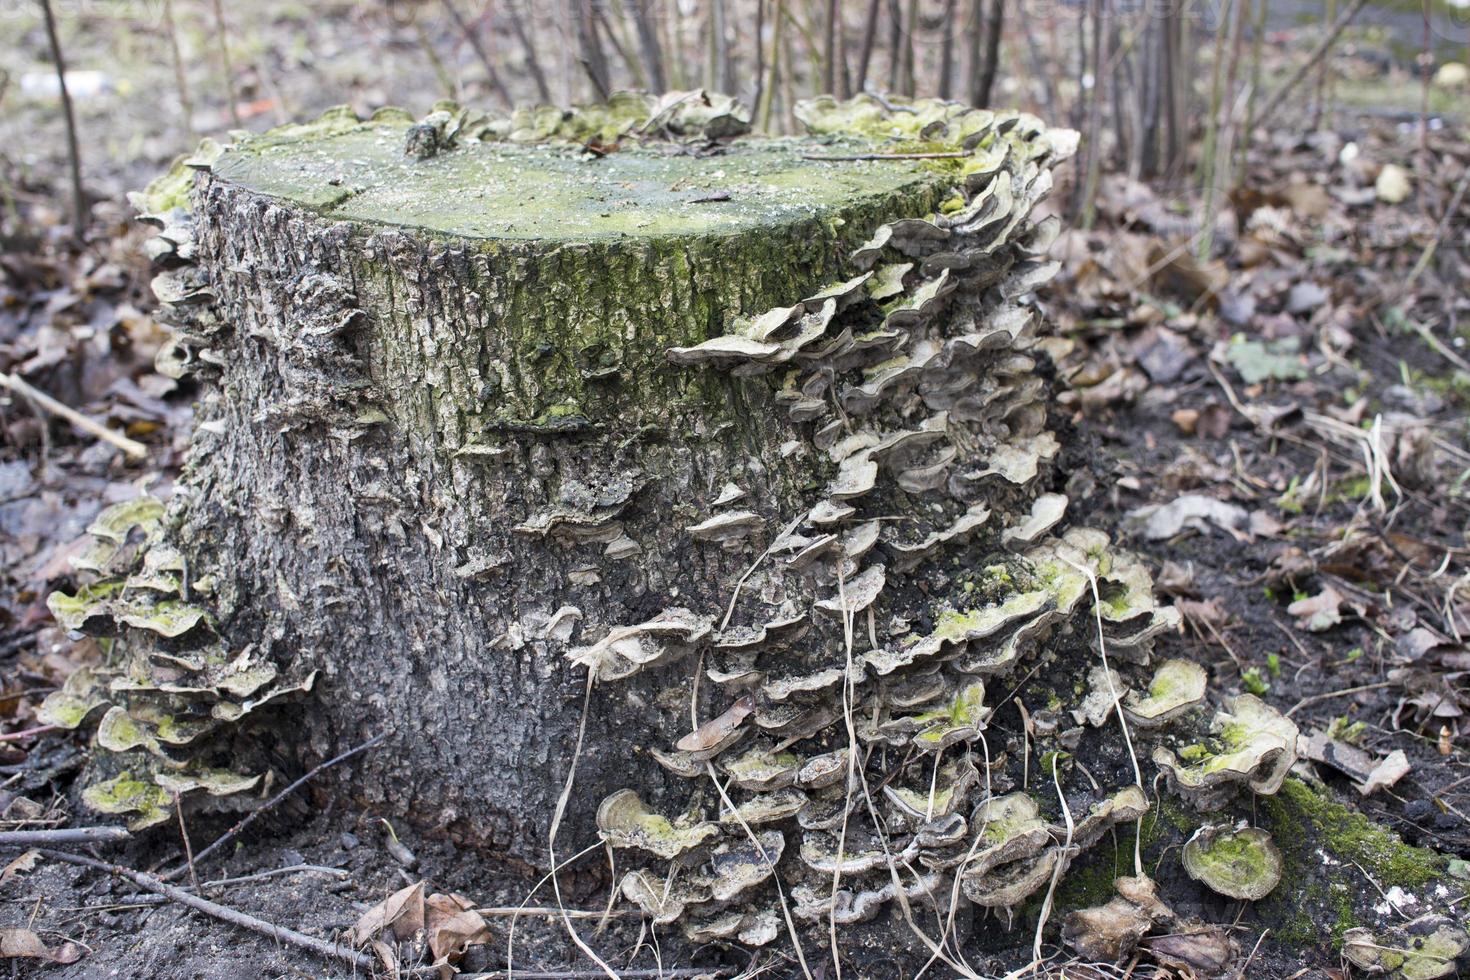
1325, 845
554, 193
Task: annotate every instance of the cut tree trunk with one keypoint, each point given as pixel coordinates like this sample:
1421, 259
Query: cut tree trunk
550, 443
453, 445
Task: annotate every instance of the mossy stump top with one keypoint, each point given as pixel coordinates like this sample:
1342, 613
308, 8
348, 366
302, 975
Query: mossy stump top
563, 194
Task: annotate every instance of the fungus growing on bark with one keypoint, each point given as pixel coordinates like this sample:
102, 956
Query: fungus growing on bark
839, 364
1251, 744
1009, 830
624, 821
1424, 949
1177, 687
1237, 862
741, 864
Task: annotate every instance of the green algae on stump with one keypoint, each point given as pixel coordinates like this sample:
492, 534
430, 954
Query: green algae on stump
555, 194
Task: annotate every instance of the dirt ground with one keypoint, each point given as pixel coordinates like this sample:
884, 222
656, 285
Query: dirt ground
1312, 376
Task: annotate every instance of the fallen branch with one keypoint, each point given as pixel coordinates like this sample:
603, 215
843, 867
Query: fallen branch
273, 872
251, 817
133, 448
68, 835
1336, 694
331, 951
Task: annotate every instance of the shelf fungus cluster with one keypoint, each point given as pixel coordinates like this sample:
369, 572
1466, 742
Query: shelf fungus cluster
170, 695
927, 573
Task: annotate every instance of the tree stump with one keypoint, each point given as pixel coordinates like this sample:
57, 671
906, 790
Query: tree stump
718, 468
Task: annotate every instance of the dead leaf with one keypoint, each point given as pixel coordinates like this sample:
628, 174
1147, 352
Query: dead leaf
1263, 524
1187, 419
717, 730
1181, 272
1195, 511
1307, 200
1392, 185
453, 926
26, 945
1205, 950
26, 862
1176, 579
1319, 612
402, 913
1214, 421
1393, 768
1209, 612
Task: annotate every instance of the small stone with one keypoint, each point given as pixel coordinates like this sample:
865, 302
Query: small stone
1392, 185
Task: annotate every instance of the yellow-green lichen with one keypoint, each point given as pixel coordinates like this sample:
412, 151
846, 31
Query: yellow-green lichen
126, 794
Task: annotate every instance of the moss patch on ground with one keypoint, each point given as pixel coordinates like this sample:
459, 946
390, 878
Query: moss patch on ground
1328, 848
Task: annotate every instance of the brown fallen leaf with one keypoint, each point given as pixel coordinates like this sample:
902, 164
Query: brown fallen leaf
1214, 421
453, 926
26, 862
1319, 612
401, 913
1207, 612
1307, 200
717, 730
1176, 579
1264, 525
1390, 770
26, 945
1205, 950
1187, 419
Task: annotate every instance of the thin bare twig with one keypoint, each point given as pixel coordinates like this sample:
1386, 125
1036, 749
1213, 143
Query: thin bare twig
74, 154
181, 77
1318, 53
65, 835
37, 397
1336, 694
280, 934
472, 36
222, 37
188, 846
320, 869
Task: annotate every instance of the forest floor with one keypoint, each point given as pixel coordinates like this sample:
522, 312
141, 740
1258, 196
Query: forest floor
1296, 406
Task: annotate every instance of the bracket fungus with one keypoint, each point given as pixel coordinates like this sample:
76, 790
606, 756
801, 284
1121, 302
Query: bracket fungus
1177, 687
624, 821
1251, 744
1237, 862
1423, 949
172, 692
